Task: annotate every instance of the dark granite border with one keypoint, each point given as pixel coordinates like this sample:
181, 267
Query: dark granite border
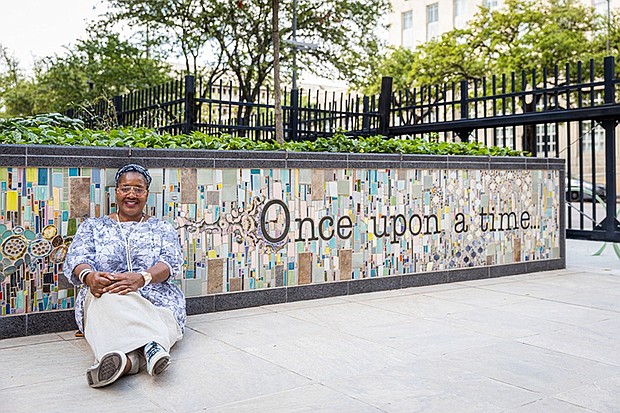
14, 326
245, 299
314, 291
200, 305
509, 269
21, 325
89, 156
424, 278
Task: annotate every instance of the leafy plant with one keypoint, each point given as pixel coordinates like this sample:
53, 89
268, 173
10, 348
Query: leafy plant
55, 129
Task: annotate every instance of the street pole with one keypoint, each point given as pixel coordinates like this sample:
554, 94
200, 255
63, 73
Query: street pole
279, 119
608, 23
295, 45
294, 114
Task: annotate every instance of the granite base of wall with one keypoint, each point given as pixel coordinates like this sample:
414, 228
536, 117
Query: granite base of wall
63, 320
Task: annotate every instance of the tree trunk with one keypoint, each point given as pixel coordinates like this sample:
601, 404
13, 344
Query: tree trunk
276, 74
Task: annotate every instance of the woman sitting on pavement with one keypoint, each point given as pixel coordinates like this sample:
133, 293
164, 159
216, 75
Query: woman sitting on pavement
129, 308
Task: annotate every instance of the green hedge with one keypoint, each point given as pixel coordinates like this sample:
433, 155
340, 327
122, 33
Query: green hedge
55, 129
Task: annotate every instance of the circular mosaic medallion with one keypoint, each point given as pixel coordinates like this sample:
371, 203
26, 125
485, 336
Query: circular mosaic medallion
59, 254
57, 241
14, 247
18, 230
49, 232
40, 248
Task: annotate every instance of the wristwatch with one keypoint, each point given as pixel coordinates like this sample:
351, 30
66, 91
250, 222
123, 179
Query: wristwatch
147, 277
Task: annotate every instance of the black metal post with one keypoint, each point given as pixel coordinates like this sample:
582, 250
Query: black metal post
609, 125
189, 117
365, 114
294, 119
118, 109
464, 133
385, 102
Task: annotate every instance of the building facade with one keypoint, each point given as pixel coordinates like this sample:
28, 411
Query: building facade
413, 22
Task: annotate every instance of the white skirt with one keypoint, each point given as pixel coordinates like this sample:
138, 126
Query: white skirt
125, 323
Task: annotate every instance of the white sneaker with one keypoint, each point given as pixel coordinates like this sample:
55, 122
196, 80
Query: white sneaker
157, 359
108, 370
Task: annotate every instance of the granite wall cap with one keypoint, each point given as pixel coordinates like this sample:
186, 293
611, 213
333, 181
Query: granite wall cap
373, 164
175, 153
13, 149
422, 158
248, 155
316, 156
317, 163
150, 162
93, 156
90, 151
255, 162
385, 157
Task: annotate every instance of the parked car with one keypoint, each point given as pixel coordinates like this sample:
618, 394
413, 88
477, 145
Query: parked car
573, 190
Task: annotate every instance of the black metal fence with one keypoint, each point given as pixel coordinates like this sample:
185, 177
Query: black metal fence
183, 106
570, 112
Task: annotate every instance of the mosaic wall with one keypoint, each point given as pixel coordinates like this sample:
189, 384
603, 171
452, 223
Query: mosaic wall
245, 229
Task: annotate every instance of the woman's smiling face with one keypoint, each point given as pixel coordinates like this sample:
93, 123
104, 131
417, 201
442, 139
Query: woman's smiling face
131, 195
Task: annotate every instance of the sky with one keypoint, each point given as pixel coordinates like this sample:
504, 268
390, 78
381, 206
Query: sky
39, 28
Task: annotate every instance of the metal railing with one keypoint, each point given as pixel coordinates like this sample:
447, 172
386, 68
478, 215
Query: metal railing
570, 112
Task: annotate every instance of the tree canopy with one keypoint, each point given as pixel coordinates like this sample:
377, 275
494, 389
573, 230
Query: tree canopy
130, 42
522, 35
216, 36
102, 65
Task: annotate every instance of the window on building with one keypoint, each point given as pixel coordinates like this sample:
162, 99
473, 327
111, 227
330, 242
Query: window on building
505, 137
491, 4
460, 12
600, 7
408, 20
432, 21
593, 134
407, 32
546, 139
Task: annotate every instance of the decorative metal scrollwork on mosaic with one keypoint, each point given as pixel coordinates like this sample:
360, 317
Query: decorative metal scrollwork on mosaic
242, 223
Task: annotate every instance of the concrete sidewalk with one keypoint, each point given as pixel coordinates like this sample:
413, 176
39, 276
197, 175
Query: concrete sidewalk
541, 342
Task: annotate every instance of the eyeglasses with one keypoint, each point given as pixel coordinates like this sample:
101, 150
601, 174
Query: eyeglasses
125, 190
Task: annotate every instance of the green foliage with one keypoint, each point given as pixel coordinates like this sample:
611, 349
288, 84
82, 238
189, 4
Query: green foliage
103, 65
44, 120
522, 35
236, 36
55, 129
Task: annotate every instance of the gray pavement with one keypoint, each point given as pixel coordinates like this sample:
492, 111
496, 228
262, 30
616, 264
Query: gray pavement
541, 342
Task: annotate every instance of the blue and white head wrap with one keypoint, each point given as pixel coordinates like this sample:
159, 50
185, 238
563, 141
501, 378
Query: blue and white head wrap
132, 167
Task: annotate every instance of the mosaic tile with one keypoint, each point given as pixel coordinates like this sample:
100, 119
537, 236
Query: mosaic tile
189, 183
215, 275
357, 223
345, 259
79, 205
305, 268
